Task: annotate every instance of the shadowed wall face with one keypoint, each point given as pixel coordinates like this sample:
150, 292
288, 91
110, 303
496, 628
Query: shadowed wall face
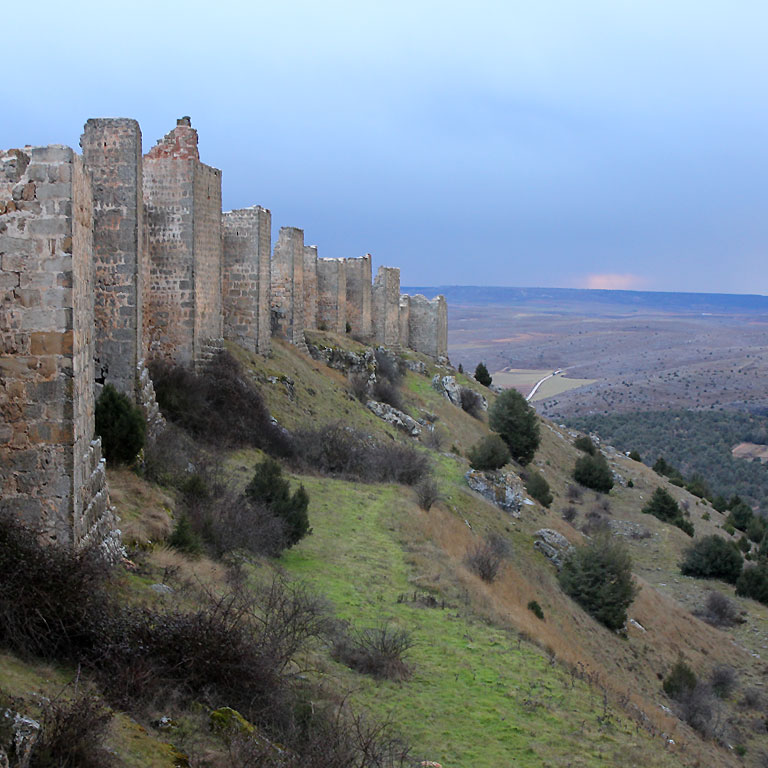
310, 286
288, 284
183, 199
386, 306
332, 294
404, 319
51, 473
245, 280
112, 153
359, 296
427, 325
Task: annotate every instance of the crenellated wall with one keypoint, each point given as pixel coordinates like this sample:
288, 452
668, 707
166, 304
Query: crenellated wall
114, 258
247, 247
385, 311
288, 284
332, 294
51, 472
359, 296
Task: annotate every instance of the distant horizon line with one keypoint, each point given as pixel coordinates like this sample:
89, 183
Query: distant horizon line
584, 290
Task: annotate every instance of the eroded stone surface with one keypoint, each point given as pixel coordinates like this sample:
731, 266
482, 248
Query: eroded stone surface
393, 416
504, 489
553, 545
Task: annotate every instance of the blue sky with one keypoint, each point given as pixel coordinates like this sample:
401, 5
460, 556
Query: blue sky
597, 143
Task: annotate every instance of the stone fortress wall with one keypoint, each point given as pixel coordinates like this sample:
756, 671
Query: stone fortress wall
113, 258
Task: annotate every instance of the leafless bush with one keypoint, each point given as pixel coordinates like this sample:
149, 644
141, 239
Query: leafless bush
221, 405
699, 708
719, 611
569, 513
435, 439
603, 505
378, 651
427, 493
389, 366
471, 402
72, 733
752, 699
358, 384
595, 523
487, 557
338, 450
573, 493
723, 681
386, 392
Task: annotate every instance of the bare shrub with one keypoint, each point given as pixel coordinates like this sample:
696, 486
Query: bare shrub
487, 557
72, 733
427, 493
220, 405
719, 610
752, 699
434, 438
595, 523
389, 366
358, 384
338, 450
386, 392
573, 493
471, 402
377, 651
569, 513
698, 707
723, 681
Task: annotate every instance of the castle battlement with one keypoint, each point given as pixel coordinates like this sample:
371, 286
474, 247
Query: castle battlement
114, 258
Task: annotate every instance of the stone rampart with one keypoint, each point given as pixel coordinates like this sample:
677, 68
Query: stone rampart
51, 472
247, 247
310, 287
332, 295
386, 307
288, 284
359, 296
112, 153
428, 325
183, 310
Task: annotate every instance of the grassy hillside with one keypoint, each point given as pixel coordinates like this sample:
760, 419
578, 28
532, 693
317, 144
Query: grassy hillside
490, 683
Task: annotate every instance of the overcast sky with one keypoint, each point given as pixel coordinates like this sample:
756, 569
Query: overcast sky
597, 143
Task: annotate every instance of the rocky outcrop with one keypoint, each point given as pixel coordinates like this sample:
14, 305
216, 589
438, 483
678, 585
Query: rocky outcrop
449, 388
393, 416
18, 734
552, 545
344, 359
504, 489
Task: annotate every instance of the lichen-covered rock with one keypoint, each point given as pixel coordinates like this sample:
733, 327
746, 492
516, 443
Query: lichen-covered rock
18, 735
448, 388
393, 416
552, 545
504, 489
228, 720
417, 366
344, 359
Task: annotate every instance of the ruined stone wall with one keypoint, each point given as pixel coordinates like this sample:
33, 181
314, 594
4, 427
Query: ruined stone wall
288, 284
427, 327
332, 294
209, 330
183, 217
310, 286
247, 246
404, 319
359, 296
51, 472
112, 153
385, 308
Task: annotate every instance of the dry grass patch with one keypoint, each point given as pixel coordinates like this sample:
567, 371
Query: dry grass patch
145, 509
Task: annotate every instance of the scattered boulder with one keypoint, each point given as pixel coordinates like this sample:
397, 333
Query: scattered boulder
448, 388
161, 589
553, 545
393, 416
504, 489
416, 366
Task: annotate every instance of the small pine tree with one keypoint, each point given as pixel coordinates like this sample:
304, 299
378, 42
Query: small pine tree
712, 557
538, 487
517, 423
184, 538
461, 368
598, 576
753, 583
482, 376
680, 680
593, 472
490, 452
663, 506
269, 487
121, 426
